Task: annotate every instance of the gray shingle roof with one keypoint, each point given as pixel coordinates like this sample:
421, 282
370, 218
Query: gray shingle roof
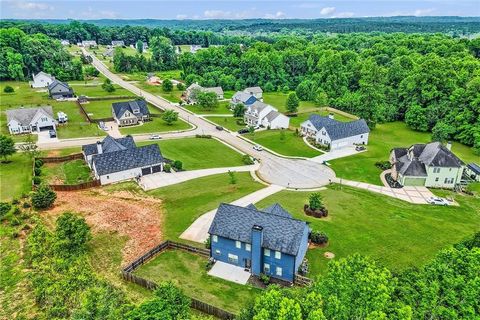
474, 167
56, 83
25, 115
272, 115
278, 210
110, 144
137, 107
126, 159
337, 129
280, 233
245, 98
437, 155
217, 90
254, 90
259, 106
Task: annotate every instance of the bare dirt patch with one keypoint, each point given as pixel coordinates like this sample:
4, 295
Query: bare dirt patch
137, 217
329, 255
53, 153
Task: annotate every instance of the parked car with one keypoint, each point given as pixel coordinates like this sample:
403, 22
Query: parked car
52, 133
359, 148
219, 128
438, 201
242, 131
258, 147
155, 137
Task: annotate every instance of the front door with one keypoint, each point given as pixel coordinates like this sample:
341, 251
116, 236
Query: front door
248, 263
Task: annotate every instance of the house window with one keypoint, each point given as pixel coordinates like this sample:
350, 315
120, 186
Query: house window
217, 252
266, 252
278, 255
324, 133
436, 170
214, 238
248, 247
436, 179
232, 258
108, 177
238, 244
448, 180
266, 268
278, 271
361, 136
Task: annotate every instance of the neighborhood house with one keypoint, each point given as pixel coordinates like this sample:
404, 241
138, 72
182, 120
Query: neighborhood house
113, 160
30, 120
60, 90
262, 114
335, 134
41, 80
267, 241
130, 112
429, 165
89, 43
243, 98
119, 43
257, 92
191, 91
65, 42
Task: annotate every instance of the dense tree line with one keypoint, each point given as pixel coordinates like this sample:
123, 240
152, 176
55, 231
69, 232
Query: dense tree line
359, 288
22, 55
429, 81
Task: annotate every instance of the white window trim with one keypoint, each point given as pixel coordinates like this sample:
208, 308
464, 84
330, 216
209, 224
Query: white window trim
214, 238
217, 251
266, 252
279, 271
278, 255
248, 247
238, 244
266, 266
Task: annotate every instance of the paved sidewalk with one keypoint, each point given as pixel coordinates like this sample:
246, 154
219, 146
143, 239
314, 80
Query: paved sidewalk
416, 195
162, 179
198, 230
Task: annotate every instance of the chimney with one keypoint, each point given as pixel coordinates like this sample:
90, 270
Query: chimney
99, 147
449, 145
257, 251
331, 116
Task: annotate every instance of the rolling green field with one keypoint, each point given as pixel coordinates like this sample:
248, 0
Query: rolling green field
187, 271
172, 96
227, 122
198, 153
292, 145
68, 172
386, 136
396, 233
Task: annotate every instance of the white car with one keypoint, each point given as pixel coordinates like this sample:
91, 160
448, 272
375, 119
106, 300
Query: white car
155, 137
257, 147
438, 201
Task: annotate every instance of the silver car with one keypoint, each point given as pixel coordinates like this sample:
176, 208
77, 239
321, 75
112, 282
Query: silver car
438, 201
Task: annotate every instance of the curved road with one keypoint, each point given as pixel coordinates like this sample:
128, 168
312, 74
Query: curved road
290, 173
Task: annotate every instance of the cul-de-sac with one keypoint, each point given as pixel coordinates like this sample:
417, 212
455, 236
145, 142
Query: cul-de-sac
231, 166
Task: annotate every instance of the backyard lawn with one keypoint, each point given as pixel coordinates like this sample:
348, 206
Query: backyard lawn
199, 153
15, 177
172, 96
99, 109
278, 100
223, 108
361, 167
291, 145
68, 172
157, 125
227, 122
396, 233
187, 271
97, 90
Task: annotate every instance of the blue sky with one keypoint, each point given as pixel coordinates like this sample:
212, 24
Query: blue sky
231, 9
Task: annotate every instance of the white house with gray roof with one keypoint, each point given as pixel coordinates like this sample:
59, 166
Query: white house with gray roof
115, 160
257, 92
429, 165
30, 120
335, 134
41, 80
191, 92
262, 114
118, 43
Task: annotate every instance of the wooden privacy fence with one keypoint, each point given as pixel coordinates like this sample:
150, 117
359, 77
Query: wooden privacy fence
194, 303
74, 187
74, 156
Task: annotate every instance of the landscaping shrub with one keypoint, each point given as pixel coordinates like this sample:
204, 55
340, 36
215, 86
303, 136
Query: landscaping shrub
180, 86
265, 279
4, 208
36, 180
8, 89
26, 205
44, 197
37, 171
383, 165
247, 160
177, 165
315, 206
203, 136
208, 243
167, 85
318, 237
233, 178
38, 163
167, 167
15, 201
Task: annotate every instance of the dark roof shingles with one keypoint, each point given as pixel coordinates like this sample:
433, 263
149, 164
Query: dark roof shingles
337, 129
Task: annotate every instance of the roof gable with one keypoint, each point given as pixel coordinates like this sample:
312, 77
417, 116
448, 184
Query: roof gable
337, 129
24, 116
110, 144
137, 107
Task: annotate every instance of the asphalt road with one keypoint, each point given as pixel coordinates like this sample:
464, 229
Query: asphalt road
290, 173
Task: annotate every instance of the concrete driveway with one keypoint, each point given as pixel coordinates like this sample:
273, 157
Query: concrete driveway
336, 154
229, 272
44, 137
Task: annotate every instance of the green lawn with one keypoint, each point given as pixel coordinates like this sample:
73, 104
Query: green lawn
99, 109
394, 232
15, 177
157, 125
97, 90
187, 271
278, 100
223, 108
227, 122
292, 145
172, 96
382, 139
199, 153
68, 172
301, 117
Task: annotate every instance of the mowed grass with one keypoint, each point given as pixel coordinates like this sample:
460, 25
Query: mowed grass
279, 100
396, 233
156, 125
231, 123
301, 117
15, 176
187, 271
198, 153
68, 172
223, 108
99, 109
386, 136
97, 90
172, 96
291, 145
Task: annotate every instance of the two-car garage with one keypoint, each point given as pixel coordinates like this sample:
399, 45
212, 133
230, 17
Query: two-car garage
152, 169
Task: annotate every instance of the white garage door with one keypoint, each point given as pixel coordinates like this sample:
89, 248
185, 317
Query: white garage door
340, 145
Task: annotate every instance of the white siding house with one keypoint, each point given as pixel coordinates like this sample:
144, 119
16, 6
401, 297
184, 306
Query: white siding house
41, 80
257, 92
30, 120
262, 114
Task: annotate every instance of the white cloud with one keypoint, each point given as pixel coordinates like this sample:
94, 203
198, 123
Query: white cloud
216, 14
277, 15
182, 16
423, 12
23, 5
344, 15
327, 11
94, 14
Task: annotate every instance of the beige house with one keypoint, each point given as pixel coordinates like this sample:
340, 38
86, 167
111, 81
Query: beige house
429, 165
191, 92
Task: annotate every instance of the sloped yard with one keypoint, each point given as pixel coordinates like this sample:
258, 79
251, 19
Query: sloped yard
68, 172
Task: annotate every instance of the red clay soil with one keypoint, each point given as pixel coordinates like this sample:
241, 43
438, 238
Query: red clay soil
138, 218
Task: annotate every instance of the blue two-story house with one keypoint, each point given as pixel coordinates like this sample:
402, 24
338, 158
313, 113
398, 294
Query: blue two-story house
267, 241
